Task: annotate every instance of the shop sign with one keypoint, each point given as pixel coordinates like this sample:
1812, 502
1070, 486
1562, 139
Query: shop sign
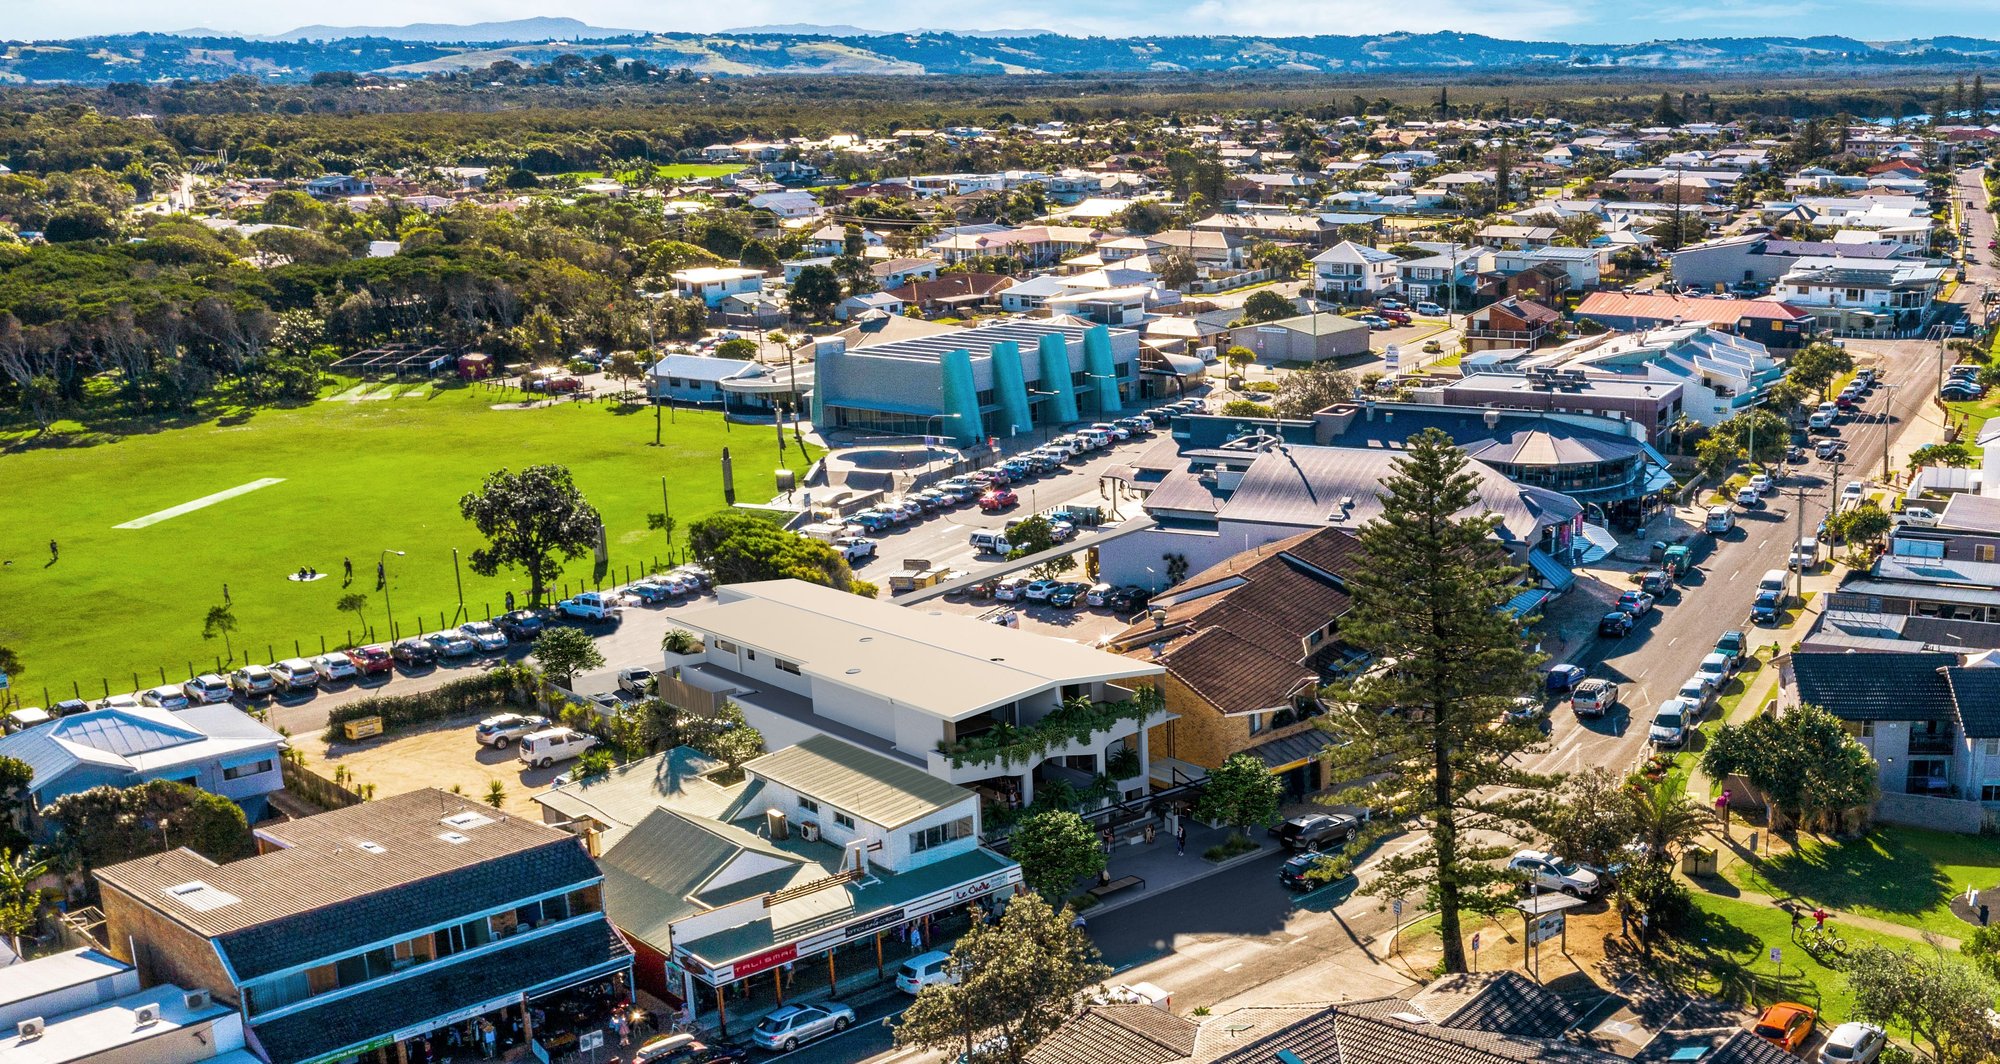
887, 918
764, 961
964, 893
460, 1016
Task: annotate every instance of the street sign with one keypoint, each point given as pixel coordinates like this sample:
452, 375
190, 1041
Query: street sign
589, 1040
1777, 955
1475, 942
1397, 908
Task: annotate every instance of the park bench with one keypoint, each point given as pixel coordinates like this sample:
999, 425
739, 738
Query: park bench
1105, 890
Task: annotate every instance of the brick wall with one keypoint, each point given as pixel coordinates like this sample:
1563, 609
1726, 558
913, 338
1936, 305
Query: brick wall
162, 950
1203, 736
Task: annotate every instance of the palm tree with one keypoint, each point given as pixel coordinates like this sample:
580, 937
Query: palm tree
1666, 818
20, 900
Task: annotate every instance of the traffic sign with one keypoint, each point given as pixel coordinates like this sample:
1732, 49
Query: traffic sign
590, 1040
1777, 955
1397, 908
1475, 942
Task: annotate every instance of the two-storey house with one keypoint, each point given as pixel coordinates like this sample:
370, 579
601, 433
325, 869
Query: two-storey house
1356, 273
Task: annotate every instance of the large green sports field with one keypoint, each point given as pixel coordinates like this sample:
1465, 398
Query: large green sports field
351, 479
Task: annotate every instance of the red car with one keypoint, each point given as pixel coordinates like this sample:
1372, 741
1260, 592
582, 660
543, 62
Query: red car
1397, 316
371, 660
997, 499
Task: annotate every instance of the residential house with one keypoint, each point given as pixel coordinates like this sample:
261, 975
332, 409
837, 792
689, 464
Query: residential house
895, 273
336, 186
1951, 570
1246, 644
788, 206
865, 303
1445, 275
951, 294
832, 240
1033, 246
1304, 229
713, 284
1517, 237
1511, 324
1214, 249
218, 748
1582, 268
1759, 260
1770, 323
798, 870
1858, 297
1356, 273
1002, 380
947, 695
355, 932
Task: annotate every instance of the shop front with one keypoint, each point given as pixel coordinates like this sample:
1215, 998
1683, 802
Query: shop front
719, 976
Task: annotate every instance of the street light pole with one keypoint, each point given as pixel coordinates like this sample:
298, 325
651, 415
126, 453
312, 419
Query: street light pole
382, 560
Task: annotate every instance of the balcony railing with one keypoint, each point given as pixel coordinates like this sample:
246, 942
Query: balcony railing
1924, 744
1075, 721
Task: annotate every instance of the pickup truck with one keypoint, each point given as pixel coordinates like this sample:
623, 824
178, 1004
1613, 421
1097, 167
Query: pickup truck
591, 606
854, 548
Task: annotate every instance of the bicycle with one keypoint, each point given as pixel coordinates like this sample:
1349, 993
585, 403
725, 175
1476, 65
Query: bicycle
1824, 940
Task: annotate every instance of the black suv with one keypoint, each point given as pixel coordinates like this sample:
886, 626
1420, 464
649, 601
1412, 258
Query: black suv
1315, 831
521, 626
412, 652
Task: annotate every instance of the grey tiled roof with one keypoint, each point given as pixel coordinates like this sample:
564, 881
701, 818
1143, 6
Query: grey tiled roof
1875, 686
1976, 692
1126, 1034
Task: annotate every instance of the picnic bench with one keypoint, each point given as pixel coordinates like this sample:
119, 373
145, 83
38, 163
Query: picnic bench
1110, 887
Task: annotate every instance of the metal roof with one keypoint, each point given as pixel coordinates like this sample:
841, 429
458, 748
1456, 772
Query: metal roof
869, 786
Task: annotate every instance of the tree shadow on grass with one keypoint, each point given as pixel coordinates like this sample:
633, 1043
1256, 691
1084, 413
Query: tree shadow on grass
1876, 871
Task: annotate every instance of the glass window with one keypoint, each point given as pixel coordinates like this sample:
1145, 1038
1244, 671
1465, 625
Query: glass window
725, 646
808, 804
503, 923
586, 900
237, 772
848, 822
786, 666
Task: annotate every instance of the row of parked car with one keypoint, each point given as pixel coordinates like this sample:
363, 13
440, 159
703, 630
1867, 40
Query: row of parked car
1063, 594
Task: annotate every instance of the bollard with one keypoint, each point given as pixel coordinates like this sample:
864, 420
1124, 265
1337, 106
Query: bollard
296, 652
322, 644
163, 675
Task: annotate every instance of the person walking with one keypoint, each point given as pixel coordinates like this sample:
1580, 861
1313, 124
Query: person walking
347, 565
54, 551
1180, 839
225, 594
1794, 910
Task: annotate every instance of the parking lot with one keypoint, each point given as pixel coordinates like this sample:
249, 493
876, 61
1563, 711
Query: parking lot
443, 755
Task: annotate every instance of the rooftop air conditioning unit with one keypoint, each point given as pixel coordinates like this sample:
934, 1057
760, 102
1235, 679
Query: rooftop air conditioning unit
776, 825
146, 1015
197, 1001
808, 831
29, 1028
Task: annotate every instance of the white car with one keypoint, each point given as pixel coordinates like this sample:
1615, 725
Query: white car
1430, 310
1763, 483
485, 635
1853, 493
206, 689
295, 674
253, 681
1670, 723
119, 702
544, 748
1714, 668
1040, 590
1853, 1043
854, 548
1698, 691
1749, 497
925, 969
164, 697
1550, 872
332, 667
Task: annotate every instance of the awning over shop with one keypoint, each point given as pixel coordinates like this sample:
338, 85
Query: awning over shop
1283, 755
1178, 365
1551, 570
1526, 602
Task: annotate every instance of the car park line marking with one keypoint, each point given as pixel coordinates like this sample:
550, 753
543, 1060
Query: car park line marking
206, 500
1233, 967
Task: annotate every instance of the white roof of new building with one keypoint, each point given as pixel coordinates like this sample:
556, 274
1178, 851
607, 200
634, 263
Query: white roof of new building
60, 971
712, 274
104, 1030
947, 665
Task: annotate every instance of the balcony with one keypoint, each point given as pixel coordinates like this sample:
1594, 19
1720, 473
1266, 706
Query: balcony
1933, 744
1079, 727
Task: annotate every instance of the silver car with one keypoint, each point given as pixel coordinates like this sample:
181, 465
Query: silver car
793, 1024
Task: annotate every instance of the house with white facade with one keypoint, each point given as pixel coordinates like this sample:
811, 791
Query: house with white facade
1436, 275
1850, 297
713, 284
1356, 273
218, 748
967, 702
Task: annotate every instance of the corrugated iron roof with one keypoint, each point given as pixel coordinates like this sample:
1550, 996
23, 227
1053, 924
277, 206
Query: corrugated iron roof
872, 787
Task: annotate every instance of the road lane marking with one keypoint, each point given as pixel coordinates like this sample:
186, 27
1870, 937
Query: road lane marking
207, 500
1233, 967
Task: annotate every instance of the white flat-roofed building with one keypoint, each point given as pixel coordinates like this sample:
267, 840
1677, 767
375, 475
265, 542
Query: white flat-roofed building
938, 691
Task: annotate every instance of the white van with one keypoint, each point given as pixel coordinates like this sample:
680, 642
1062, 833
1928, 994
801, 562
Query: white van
1774, 580
1720, 519
823, 531
1805, 553
991, 543
544, 748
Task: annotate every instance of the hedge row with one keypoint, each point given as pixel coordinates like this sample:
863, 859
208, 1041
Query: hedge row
455, 699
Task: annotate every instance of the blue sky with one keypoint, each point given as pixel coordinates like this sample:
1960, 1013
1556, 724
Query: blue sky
1588, 21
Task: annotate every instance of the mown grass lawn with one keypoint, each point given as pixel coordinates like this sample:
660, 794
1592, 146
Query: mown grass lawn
1973, 416
1728, 953
1901, 875
355, 478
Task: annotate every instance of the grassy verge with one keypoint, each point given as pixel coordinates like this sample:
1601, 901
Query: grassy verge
352, 479
1728, 953
1972, 416
1900, 875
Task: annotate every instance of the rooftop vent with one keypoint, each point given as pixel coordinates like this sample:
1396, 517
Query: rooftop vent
201, 897
467, 820
373, 847
454, 837
1410, 1017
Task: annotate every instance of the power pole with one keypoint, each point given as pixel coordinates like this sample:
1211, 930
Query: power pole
1888, 417
1799, 579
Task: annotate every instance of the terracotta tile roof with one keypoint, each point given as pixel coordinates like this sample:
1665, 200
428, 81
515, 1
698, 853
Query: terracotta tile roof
1668, 307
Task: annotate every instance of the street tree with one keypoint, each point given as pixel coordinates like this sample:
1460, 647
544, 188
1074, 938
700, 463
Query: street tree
106, 825
741, 349
1240, 792
20, 899
1055, 848
1310, 389
1818, 363
724, 736
1865, 523
1032, 537
1177, 270
1239, 358
1953, 455
532, 520
625, 367
1019, 980
354, 602
1427, 593
815, 291
1268, 305
1588, 817
738, 547
564, 652
1803, 761
1664, 818
1942, 1002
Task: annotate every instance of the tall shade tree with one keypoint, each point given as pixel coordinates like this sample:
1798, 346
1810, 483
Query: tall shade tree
1428, 593
1055, 848
564, 652
532, 520
1241, 792
1802, 760
106, 825
1941, 1001
1019, 980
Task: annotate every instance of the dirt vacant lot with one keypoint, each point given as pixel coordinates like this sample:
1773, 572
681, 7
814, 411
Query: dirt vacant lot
444, 755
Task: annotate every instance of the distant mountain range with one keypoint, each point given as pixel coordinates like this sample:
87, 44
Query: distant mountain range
815, 49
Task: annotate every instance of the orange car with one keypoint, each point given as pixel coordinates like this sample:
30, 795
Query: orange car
1786, 1025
